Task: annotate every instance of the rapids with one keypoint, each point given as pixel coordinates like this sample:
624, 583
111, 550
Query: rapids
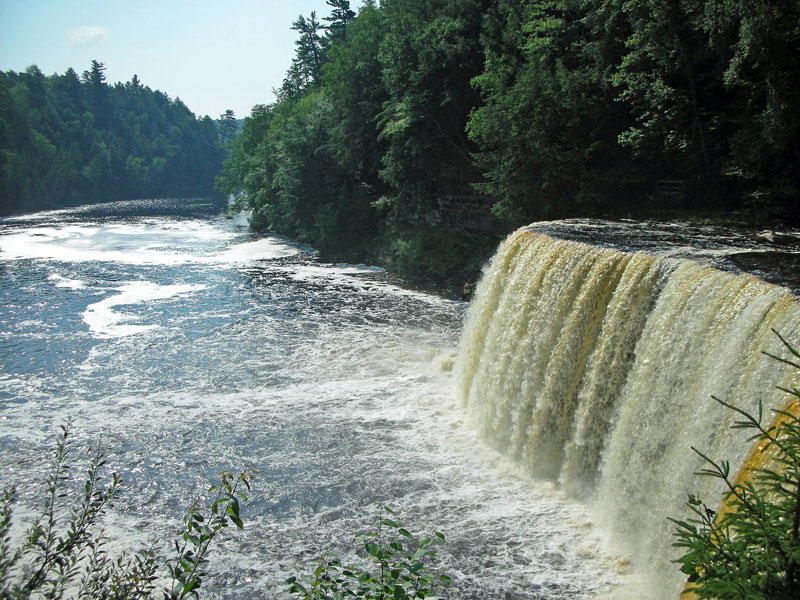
189, 346
550, 455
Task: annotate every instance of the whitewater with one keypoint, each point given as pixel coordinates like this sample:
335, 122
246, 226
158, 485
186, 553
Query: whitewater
188, 346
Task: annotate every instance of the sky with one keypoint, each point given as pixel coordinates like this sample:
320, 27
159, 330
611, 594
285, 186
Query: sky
214, 55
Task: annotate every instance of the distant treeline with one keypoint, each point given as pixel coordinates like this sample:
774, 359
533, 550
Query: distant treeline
68, 139
389, 119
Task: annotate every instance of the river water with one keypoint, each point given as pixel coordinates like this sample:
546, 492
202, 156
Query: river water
189, 346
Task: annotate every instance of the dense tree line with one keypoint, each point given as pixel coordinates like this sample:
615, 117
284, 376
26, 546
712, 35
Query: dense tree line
392, 119
68, 139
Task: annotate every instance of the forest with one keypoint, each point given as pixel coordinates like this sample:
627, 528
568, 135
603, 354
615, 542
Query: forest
70, 139
413, 132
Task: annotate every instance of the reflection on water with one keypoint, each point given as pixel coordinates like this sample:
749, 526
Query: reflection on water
192, 347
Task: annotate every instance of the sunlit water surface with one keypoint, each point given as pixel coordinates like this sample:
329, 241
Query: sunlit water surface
190, 346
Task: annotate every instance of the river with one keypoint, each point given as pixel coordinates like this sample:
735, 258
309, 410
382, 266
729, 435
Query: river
190, 346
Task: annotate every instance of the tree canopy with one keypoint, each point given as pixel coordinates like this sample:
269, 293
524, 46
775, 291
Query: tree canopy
66, 139
474, 115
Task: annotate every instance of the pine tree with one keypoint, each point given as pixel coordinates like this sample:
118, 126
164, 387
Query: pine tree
307, 63
341, 16
227, 126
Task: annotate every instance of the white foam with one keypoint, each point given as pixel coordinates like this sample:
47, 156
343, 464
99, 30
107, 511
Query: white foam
65, 282
103, 321
263, 249
357, 269
148, 242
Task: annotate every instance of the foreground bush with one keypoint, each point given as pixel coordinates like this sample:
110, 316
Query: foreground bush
393, 567
63, 552
752, 549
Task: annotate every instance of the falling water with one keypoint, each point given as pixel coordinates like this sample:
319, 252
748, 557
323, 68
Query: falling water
188, 346
593, 368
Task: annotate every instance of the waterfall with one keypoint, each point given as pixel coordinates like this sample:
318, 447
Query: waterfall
594, 368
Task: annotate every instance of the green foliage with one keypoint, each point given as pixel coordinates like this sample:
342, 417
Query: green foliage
751, 549
306, 69
428, 56
227, 126
63, 553
369, 151
341, 16
758, 44
352, 80
437, 254
188, 568
66, 139
533, 109
394, 566
539, 129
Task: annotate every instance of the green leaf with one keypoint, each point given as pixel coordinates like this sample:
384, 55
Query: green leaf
233, 507
191, 586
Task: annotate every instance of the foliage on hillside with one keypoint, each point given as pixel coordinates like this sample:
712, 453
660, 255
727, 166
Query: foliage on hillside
531, 108
70, 138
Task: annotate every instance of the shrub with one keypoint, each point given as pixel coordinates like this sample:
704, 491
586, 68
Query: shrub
751, 550
63, 552
394, 567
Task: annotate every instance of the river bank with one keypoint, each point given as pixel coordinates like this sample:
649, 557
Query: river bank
450, 262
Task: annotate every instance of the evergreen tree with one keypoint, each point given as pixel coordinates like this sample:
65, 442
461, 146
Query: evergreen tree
306, 67
227, 126
341, 16
67, 140
96, 75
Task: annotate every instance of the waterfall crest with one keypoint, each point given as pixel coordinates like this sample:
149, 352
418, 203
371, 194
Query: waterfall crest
594, 367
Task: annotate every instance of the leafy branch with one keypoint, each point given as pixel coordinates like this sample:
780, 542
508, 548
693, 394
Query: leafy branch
63, 553
752, 548
395, 567
189, 567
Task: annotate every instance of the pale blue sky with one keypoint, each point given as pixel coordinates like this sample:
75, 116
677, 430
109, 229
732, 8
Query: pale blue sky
212, 54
